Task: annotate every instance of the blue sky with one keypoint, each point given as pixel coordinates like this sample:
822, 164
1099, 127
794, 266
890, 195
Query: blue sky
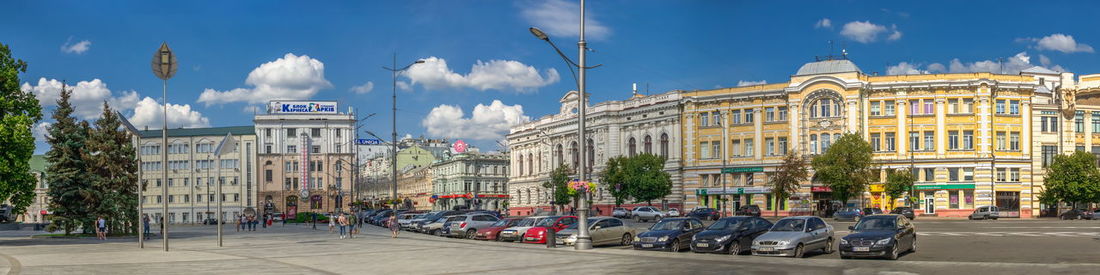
239, 53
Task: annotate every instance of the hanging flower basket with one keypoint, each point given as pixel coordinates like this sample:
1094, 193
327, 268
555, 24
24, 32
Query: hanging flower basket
579, 186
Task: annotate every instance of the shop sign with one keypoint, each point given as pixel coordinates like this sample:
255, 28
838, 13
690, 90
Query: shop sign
303, 107
877, 188
742, 170
737, 190
819, 189
943, 186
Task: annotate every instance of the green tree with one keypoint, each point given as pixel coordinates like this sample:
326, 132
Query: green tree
897, 183
1072, 179
646, 177
112, 170
19, 111
70, 191
845, 167
788, 177
614, 178
559, 186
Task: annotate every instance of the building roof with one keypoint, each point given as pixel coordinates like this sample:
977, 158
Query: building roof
828, 67
38, 163
195, 132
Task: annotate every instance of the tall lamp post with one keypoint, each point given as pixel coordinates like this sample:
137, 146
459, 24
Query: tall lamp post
394, 137
164, 67
584, 240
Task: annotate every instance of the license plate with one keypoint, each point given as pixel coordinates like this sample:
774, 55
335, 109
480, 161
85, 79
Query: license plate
647, 245
560, 242
531, 239
861, 249
702, 245
766, 249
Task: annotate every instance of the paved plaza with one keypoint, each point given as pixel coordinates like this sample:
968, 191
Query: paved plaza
949, 247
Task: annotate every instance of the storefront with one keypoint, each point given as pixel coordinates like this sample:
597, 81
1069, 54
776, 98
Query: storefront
737, 197
944, 200
823, 201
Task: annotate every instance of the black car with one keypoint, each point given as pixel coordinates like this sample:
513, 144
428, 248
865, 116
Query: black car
872, 211
749, 210
1076, 214
731, 235
904, 211
704, 214
884, 236
670, 234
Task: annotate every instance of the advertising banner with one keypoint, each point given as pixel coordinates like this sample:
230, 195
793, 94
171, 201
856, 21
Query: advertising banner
302, 107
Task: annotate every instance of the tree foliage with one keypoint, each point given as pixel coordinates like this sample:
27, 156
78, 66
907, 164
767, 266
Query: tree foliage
646, 177
112, 169
614, 179
558, 185
789, 176
845, 167
898, 182
1073, 179
19, 111
70, 189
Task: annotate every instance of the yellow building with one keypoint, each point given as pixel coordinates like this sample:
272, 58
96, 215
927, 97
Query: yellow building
967, 136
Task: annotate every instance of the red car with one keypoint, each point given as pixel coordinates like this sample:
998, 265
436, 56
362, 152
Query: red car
537, 234
493, 232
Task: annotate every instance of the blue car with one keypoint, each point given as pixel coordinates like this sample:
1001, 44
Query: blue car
670, 234
848, 214
885, 236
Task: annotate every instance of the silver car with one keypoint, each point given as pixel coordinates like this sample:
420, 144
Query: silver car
516, 233
435, 227
603, 230
793, 236
466, 226
647, 213
620, 212
984, 213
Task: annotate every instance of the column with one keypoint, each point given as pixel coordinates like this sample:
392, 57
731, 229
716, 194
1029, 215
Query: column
901, 137
758, 138
941, 121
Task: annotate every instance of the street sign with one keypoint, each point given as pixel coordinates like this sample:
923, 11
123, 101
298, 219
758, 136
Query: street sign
741, 191
368, 141
742, 170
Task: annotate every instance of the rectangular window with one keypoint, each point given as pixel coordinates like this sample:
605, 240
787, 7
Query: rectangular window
1049, 151
291, 132
890, 142
914, 107
1079, 122
704, 119
929, 174
769, 146
1014, 107
1001, 175
704, 150
968, 106
928, 106
1014, 141
748, 115
292, 149
735, 148
716, 118
1001, 143
315, 132
953, 199
968, 140
716, 148
875, 142
1096, 122
783, 146
735, 117
953, 106
769, 114
968, 174
914, 141
749, 148
1000, 106
1014, 174
929, 140
875, 108
888, 106
953, 174
782, 113
316, 149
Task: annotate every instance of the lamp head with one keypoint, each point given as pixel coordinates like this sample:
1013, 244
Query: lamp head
538, 33
419, 61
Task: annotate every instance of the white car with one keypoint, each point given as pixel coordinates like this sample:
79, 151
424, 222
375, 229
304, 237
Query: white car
673, 212
647, 213
517, 232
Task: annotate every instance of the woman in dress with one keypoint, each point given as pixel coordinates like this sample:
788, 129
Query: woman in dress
393, 225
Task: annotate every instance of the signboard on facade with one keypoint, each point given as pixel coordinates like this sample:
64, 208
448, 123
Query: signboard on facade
368, 141
735, 190
877, 188
819, 189
943, 186
302, 107
742, 170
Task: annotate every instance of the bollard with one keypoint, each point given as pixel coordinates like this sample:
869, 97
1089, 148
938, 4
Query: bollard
551, 237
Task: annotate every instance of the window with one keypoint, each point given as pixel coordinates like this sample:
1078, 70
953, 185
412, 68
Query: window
953, 199
1079, 122
825, 143
1001, 143
704, 119
291, 132
315, 132
716, 148
914, 141
769, 114
316, 149
953, 106
769, 146
716, 118
953, 174
890, 143
748, 115
875, 109
735, 117
735, 147
339, 148
1014, 107
292, 149
929, 140
824, 106
967, 106
267, 149
1000, 106
813, 144
929, 174
1014, 141
1096, 122
968, 140
1049, 151
648, 145
782, 146
632, 146
782, 113
267, 132
704, 150
338, 131
888, 106
876, 142
664, 145
968, 174
267, 175
749, 148
928, 106
1014, 174
1001, 174
1049, 124
914, 107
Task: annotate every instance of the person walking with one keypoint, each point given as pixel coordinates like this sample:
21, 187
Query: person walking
343, 226
352, 220
238, 218
101, 228
145, 222
331, 222
393, 225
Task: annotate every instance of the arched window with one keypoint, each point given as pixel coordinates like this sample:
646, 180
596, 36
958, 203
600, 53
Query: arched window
813, 144
631, 147
648, 144
590, 153
539, 161
530, 164
576, 155
520, 165
559, 158
664, 145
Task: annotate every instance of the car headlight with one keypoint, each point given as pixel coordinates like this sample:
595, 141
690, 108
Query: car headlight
572, 237
843, 241
722, 238
693, 237
636, 239
661, 239
783, 242
882, 242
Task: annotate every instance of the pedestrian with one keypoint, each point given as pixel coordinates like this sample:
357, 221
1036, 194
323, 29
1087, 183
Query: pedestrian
160, 221
101, 228
352, 224
331, 222
343, 221
238, 218
145, 223
392, 224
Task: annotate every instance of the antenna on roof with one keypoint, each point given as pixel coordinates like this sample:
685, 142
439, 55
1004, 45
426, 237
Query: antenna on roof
844, 50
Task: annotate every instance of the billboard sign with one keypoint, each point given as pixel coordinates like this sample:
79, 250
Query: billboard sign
368, 141
302, 107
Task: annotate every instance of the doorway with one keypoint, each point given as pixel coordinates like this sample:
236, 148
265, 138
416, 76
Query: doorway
930, 202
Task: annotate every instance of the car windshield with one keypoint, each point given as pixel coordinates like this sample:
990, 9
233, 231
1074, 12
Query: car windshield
546, 222
502, 223
667, 225
875, 224
789, 225
725, 224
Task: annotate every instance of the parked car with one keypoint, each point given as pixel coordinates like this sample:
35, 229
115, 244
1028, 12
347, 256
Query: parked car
620, 212
379, 217
445, 230
435, 227
466, 226
672, 235
518, 231
984, 212
749, 210
277, 217
647, 213
1075, 214
405, 220
603, 230
793, 236
848, 214
872, 211
879, 236
731, 235
904, 211
538, 233
5, 213
705, 213
493, 231
421, 225
673, 212
1095, 215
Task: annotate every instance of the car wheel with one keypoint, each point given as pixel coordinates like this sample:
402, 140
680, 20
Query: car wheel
470, 234
500, 238
913, 247
994, 219
970, 218
893, 253
434, 232
674, 246
798, 251
735, 248
828, 246
627, 239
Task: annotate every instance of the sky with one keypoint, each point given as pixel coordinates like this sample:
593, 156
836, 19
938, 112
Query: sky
483, 71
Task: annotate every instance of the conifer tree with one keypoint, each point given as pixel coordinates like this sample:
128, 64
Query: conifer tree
112, 170
69, 191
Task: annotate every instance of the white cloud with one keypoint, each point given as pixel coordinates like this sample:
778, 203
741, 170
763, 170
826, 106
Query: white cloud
561, 18
867, 32
1059, 42
495, 74
936, 68
404, 86
824, 23
485, 123
905, 68
40, 131
77, 48
895, 34
750, 82
87, 96
149, 113
362, 89
289, 77
1044, 60
1009, 65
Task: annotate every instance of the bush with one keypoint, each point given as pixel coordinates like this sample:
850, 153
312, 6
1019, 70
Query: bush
306, 217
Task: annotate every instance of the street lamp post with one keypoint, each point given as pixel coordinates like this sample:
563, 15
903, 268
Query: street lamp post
164, 67
394, 137
584, 240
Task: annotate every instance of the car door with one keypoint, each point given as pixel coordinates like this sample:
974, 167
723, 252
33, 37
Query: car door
760, 226
815, 228
907, 231
599, 236
696, 227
